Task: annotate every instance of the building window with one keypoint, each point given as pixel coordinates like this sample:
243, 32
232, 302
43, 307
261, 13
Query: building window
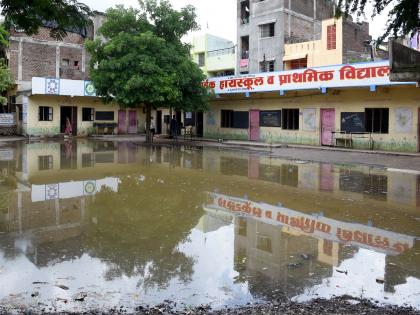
65, 62
88, 114
299, 63
45, 162
245, 12
267, 30
201, 59
76, 63
377, 120
226, 120
45, 113
331, 37
87, 160
267, 66
290, 119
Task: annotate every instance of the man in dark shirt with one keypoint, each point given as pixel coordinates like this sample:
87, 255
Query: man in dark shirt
174, 128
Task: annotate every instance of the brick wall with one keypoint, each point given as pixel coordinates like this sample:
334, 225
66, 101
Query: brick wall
354, 36
40, 54
37, 61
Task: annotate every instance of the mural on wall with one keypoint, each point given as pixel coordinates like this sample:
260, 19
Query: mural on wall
309, 119
89, 89
403, 120
211, 118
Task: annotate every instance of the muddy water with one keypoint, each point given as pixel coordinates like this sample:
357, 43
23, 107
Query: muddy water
94, 225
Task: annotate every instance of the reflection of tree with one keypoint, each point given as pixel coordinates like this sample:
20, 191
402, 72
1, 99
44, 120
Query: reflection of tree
137, 231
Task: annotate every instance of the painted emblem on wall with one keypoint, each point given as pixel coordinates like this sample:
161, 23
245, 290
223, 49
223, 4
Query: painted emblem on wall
51, 192
211, 119
89, 89
403, 120
309, 119
52, 86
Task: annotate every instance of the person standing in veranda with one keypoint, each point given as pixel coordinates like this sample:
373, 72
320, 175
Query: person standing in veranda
174, 128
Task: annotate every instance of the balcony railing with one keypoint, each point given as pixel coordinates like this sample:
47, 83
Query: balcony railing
221, 52
245, 54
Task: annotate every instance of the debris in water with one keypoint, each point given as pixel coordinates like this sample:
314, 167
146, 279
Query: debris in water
294, 265
63, 287
80, 297
380, 280
342, 271
35, 294
39, 282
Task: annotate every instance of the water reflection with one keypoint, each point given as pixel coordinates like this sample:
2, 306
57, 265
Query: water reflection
131, 224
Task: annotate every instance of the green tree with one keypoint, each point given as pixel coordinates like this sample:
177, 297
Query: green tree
5, 81
403, 18
31, 15
143, 62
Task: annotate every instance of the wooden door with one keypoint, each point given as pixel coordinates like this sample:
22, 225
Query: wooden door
327, 125
418, 132
132, 122
254, 125
122, 122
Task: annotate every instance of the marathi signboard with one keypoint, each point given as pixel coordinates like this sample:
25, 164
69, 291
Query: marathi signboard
317, 226
355, 75
7, 119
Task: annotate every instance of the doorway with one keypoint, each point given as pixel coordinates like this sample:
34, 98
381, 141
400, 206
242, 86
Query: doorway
69, 112
327, 126
159, 122
418, 131
132, 122
200, 124
254, 125
122, 122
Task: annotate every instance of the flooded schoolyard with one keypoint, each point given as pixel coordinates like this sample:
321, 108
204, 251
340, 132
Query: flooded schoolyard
93, 225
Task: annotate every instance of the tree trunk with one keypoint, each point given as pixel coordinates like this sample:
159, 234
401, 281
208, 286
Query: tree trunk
148, 120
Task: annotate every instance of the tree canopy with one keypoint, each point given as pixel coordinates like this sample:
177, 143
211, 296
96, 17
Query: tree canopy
403, 18
62, 15
141, 60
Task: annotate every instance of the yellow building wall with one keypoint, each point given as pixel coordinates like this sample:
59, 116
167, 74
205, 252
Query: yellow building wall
316, 51
84, 128
345, 100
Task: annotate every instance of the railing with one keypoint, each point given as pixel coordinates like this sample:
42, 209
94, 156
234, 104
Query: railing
245, 54
245, 20
221, 52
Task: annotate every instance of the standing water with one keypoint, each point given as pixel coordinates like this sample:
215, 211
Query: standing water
95, 225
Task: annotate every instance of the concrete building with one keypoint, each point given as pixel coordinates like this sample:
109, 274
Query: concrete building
264, 27
344, 105
52, 84
342, 41
216, 56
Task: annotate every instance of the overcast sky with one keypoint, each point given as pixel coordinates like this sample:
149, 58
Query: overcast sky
218, 17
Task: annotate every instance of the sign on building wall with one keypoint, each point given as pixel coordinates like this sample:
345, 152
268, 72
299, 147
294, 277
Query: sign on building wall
55, 86
7, 119
309, 119
355, 75
403, 120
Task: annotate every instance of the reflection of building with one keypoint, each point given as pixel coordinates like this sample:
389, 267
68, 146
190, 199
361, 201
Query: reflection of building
287, 248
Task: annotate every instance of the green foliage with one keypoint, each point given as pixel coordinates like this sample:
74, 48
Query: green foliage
30, 15
5, 81
143, 62
402, 19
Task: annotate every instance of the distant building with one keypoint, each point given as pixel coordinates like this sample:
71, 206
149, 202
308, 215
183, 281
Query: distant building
215, 55
342, 41
264, 27
52, 84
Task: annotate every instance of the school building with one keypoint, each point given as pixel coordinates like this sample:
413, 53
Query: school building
343, 105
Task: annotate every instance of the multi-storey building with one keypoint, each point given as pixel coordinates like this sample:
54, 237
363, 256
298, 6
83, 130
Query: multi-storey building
265, 26
215, 55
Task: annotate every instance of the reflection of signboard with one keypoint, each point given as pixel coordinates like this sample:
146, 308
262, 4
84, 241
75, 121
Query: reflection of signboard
270, 118
353, 122
7, 119
90, 187
316, 226
6, 155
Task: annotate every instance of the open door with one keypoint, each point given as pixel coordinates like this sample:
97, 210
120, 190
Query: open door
159, 122
69, 112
